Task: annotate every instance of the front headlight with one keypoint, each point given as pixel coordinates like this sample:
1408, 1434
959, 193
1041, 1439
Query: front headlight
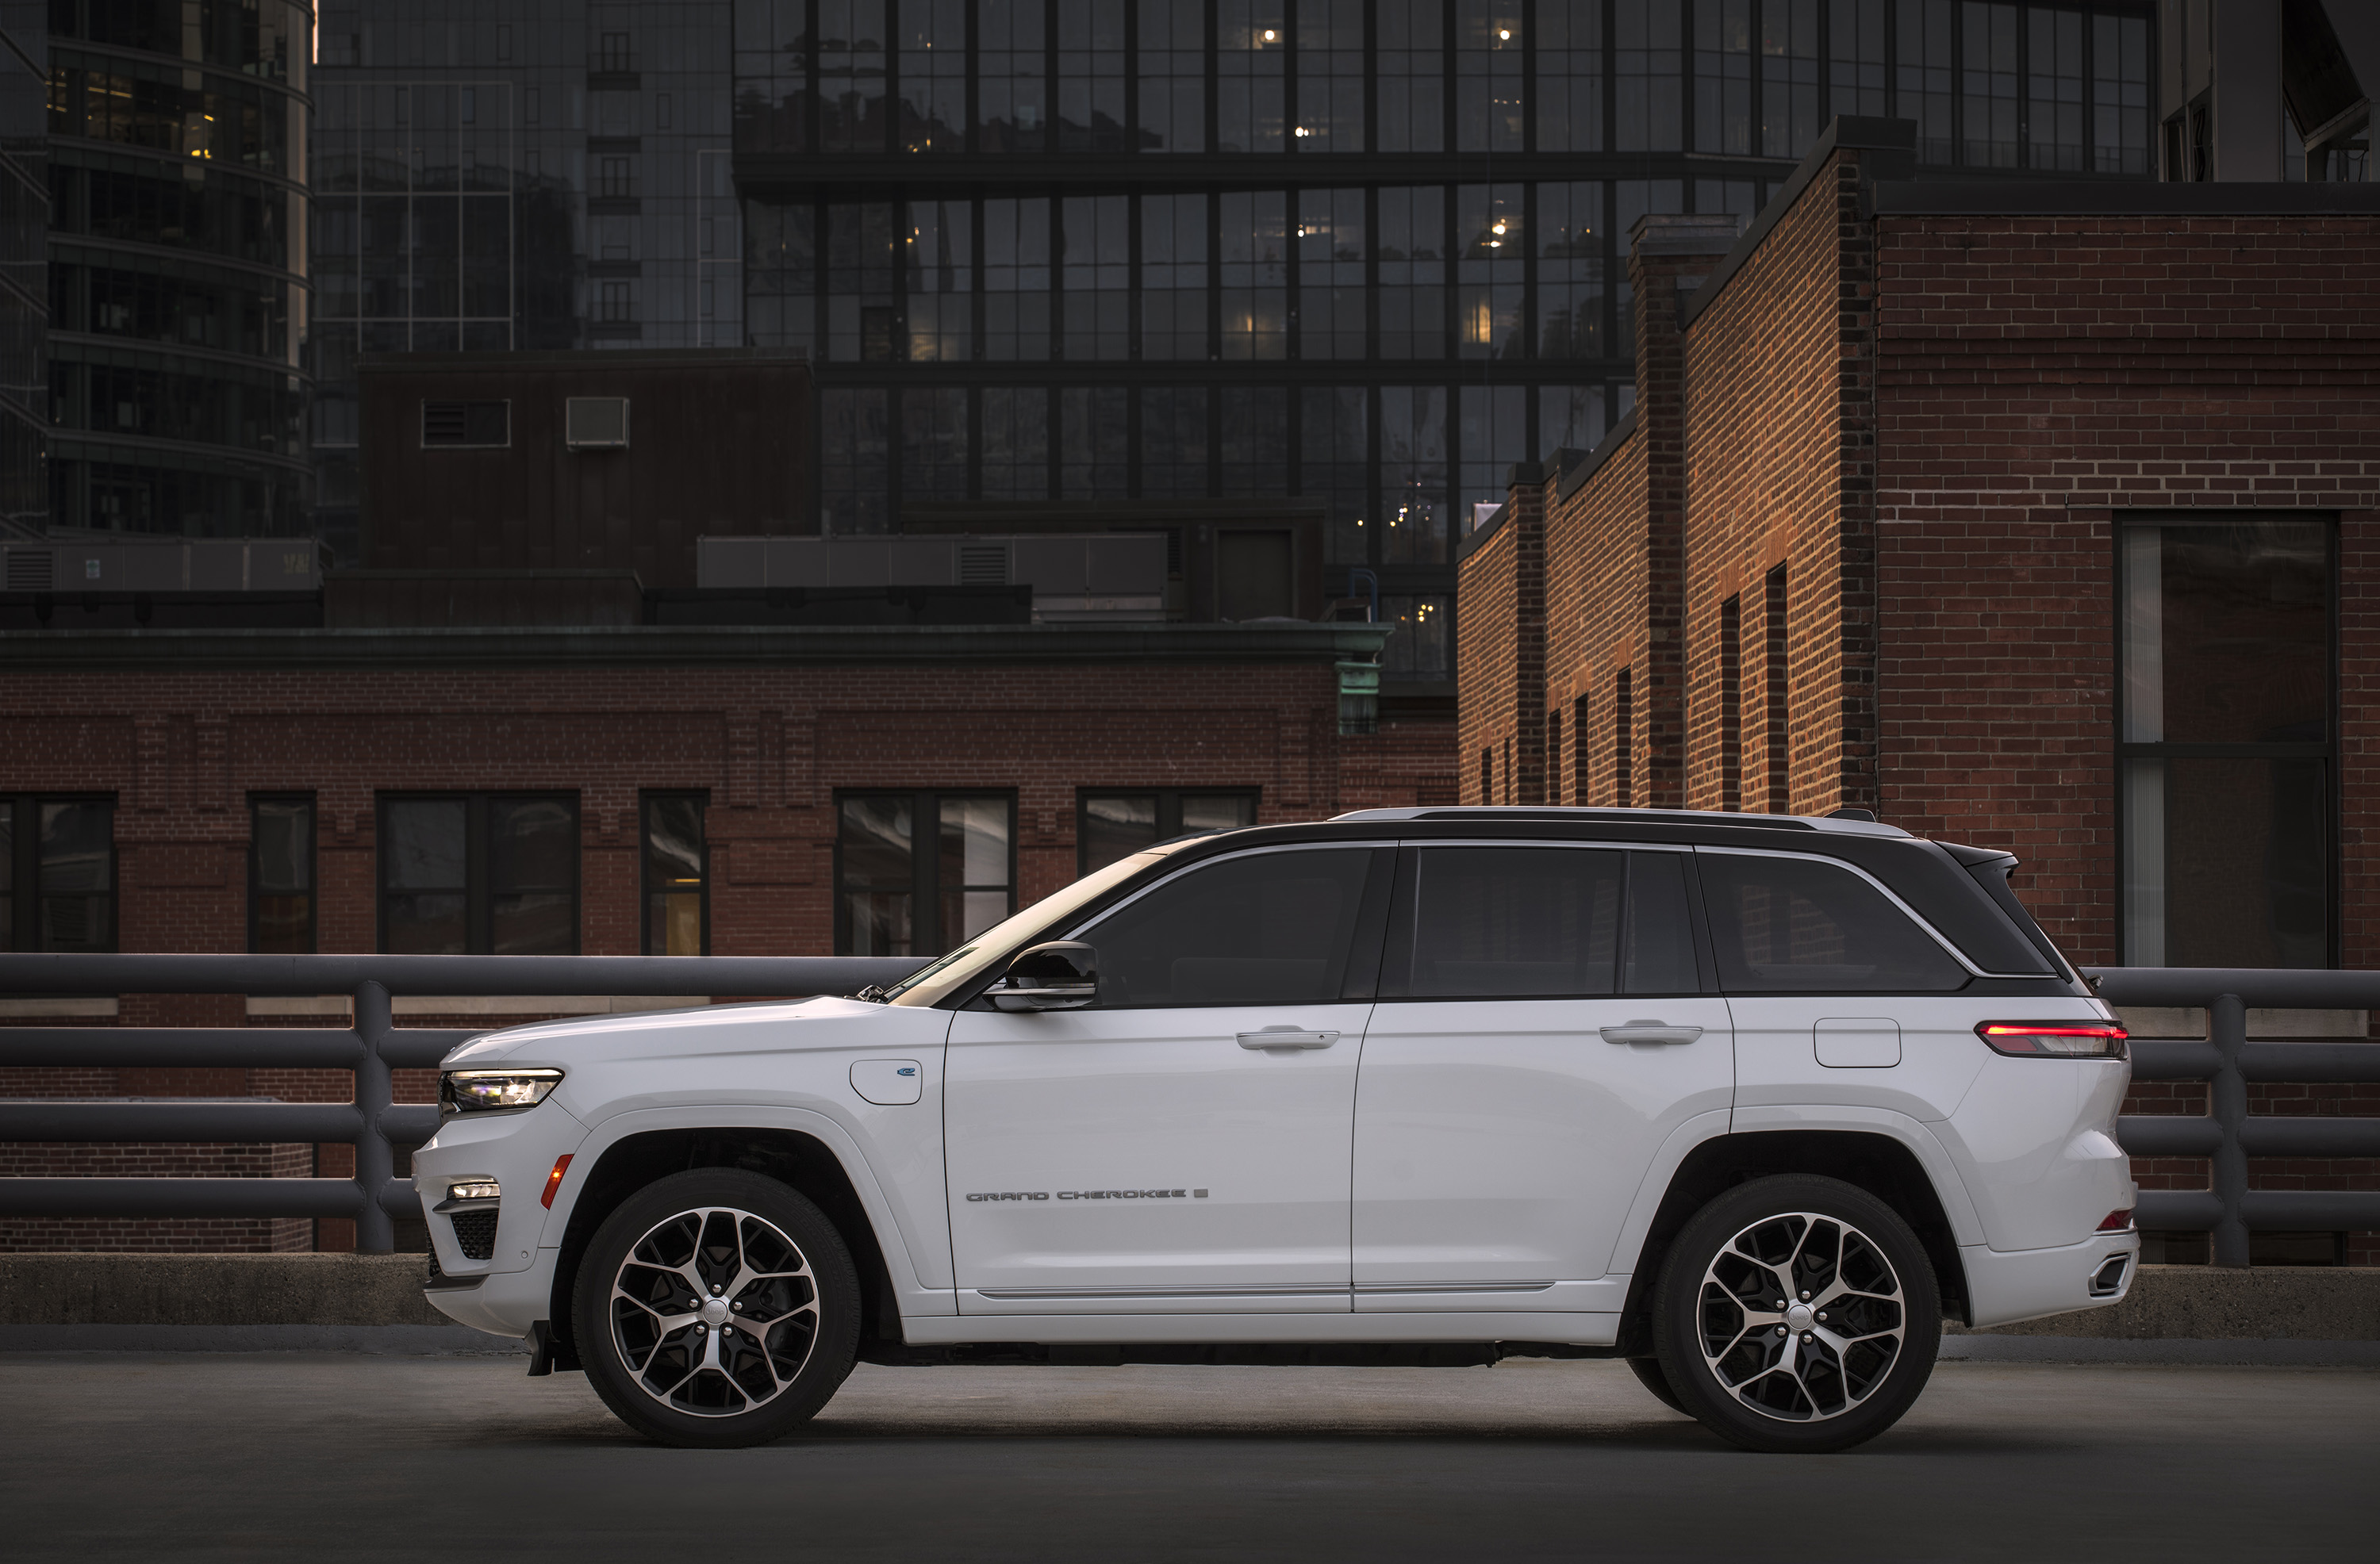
493, 1091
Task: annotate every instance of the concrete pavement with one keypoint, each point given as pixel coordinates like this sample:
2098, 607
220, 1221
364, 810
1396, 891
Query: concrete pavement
203, 1455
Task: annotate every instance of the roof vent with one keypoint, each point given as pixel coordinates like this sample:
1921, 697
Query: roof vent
595, 423
29, 570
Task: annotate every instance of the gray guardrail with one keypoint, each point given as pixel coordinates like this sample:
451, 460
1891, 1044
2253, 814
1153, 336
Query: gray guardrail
2229, 1133
373, 1124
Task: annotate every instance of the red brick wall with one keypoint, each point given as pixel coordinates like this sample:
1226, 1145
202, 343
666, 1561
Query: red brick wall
1601, 617
1488, 664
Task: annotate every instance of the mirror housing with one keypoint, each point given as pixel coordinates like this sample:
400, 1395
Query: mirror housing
1062, 975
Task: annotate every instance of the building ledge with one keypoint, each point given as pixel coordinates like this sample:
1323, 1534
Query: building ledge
678, 646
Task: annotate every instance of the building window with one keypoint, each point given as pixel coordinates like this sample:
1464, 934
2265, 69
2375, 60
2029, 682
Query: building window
1623, 755
676, 875
900, 892
2229, 742
1774, 717
1731, 704
1115, 824
61, 859
281, 905
465, 423
479, 874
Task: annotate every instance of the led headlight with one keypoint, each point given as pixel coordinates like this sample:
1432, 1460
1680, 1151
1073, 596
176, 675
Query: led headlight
495, 1091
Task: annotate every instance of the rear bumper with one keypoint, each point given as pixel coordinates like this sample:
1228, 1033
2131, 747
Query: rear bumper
2006, 1286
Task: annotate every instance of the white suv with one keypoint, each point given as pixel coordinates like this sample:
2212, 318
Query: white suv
1750, 1101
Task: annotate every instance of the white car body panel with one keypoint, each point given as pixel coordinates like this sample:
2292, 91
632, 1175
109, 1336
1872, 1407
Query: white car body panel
1585, 1329
1129, 1107
1501, 1143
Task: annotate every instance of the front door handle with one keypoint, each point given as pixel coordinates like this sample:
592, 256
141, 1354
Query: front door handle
1650, 1032
1273, 1037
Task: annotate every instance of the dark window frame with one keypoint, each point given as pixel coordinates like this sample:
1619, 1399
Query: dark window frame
313, 867
24, 870
478, 894
924, 868
2334, 815
700, 797
1169, 811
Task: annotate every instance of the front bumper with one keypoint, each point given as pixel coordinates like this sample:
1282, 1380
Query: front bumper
2006, 1286
518, 1151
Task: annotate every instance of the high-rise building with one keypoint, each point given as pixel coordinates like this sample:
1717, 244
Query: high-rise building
176, 172
24, 298
514, 174
1372, 254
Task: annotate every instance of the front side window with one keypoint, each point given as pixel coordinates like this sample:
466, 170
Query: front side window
479, 874
1533, 922
281, 907
1114, 824
920, 873
1797, 926
2228, 747
60, 855
1262, 928
676, 861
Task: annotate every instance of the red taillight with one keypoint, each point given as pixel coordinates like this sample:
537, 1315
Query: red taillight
2118, 1221
2054, 1039
553, 1179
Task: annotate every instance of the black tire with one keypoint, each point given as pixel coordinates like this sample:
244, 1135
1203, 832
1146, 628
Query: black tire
762, 1252
1648, 1374
1825, 1383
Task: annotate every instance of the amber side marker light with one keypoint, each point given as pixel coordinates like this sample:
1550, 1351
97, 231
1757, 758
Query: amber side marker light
2054, 1039
553, 1179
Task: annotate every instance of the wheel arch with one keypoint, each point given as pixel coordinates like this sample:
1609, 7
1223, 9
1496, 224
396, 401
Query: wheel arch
801, 1161
1869, 1160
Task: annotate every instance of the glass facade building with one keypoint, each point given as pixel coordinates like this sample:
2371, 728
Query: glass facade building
24, 296
1372, 254
176, 288
520, 174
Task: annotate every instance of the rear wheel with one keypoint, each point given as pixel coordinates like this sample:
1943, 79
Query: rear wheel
716, 1308
1797, 1314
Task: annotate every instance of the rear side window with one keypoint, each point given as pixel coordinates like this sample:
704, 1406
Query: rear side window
1785, 925
1549, 923
1267, 928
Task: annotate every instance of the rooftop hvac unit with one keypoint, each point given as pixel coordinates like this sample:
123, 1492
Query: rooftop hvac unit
595, 423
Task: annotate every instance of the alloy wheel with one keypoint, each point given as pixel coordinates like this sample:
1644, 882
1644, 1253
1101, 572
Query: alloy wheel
715, 1311
1801, 1316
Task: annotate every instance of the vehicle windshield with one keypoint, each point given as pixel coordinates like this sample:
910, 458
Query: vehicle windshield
995, 945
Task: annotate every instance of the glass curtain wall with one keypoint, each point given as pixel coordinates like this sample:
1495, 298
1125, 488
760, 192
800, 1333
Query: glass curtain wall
1372, 254
24, 298
176, 297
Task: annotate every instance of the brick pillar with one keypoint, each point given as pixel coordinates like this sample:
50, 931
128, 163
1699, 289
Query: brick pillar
1524, 514
1668, 259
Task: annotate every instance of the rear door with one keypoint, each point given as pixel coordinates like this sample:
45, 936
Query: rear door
1543, 1029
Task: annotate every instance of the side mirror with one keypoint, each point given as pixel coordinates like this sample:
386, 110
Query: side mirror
1062, 975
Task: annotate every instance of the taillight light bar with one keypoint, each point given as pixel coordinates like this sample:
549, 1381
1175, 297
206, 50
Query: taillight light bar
2054, 1039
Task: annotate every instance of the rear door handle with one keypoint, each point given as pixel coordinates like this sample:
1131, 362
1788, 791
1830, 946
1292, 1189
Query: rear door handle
1650, 1032
1273, 1037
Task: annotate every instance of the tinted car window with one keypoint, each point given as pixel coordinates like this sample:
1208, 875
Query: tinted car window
1800, 926
1538, 922
1267, 928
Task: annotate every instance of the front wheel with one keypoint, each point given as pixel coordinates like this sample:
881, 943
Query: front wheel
716, 1308
1797, 1314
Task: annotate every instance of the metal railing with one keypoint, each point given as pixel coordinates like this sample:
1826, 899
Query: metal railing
2229, 1133
375, 1124
372, 1122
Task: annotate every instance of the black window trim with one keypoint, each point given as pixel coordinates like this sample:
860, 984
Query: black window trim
924, 868
478, 933
314, 864
701, 796
1169, 811
25, 870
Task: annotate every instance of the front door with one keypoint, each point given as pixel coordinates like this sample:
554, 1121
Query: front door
1542, 1032
1181, 1146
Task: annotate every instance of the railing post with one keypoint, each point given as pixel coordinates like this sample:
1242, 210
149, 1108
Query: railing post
2227, 1030
375, 1162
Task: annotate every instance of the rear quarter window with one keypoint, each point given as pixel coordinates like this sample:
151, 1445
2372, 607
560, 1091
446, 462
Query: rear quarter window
1792, 925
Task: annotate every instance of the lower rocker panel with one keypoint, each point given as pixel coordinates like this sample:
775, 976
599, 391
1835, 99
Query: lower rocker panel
1509, 1327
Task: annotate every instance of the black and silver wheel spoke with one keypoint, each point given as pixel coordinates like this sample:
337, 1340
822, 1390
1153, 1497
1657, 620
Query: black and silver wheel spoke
715, 1311
1801, 1316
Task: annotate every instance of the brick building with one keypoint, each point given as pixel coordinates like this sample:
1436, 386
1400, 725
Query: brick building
665, 790
2034, 516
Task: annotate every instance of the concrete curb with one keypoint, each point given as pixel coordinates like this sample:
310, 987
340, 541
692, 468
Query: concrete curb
216, 1289
2204, 1303
2068, 1350
384, 1341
